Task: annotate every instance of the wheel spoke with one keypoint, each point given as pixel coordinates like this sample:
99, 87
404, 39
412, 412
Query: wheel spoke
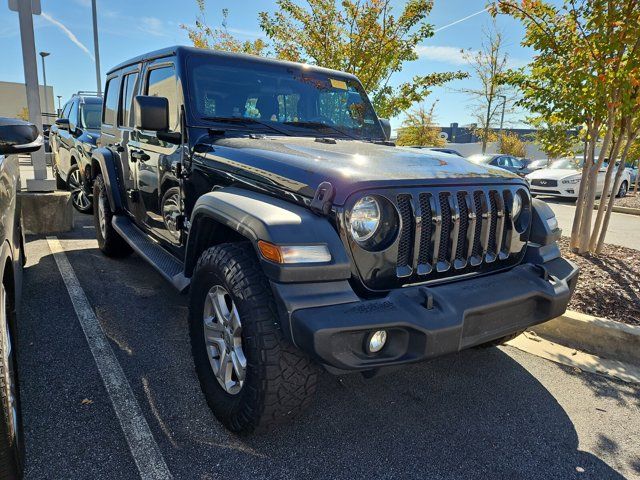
239, 363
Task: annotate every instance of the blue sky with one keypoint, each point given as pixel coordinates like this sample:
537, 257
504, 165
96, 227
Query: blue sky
128, 28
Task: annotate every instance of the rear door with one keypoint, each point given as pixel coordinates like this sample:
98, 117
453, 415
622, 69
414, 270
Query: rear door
155, 159
65, 141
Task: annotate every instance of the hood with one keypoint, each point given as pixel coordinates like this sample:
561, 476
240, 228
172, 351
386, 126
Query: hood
300, 164
553, 173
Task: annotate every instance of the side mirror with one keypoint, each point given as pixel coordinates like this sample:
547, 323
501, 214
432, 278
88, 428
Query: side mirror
63, 123
17, 136
151, 113
386, 127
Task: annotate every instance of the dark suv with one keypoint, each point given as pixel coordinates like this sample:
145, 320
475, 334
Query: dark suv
269, 190
72, 138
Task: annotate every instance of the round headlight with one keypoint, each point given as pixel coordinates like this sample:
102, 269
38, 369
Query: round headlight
516, 206
364, 219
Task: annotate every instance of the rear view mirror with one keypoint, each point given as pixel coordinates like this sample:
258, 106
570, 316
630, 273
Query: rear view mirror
386, 128
17, 136
62, 123
151, 113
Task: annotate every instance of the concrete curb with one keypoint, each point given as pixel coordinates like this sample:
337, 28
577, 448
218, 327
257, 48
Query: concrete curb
618, 209
599, 336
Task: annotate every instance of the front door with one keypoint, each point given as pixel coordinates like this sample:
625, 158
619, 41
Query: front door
154, 160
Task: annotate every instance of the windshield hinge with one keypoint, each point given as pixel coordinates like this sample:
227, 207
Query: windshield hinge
323, 198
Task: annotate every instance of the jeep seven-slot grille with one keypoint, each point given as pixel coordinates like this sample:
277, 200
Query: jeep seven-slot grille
448, 231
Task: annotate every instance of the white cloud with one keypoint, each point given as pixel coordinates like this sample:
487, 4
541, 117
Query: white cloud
436, 53
70, 35
153, 26
455, 55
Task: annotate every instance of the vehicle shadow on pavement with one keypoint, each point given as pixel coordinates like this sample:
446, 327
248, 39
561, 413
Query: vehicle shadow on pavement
478, 414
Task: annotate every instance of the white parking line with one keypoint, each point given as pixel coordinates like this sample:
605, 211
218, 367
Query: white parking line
143, 447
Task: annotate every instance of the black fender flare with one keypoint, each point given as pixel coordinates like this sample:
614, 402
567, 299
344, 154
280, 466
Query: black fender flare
257, 216
103, 161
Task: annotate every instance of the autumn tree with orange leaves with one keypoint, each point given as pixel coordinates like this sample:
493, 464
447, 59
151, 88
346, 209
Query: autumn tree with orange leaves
585, 71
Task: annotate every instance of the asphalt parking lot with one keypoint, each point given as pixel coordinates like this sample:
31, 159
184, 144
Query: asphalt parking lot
491, 413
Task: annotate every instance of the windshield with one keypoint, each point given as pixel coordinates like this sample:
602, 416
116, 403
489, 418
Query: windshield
567, 163
90, 115
282, 98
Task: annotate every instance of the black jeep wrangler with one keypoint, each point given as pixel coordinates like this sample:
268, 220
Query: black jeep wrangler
270, 191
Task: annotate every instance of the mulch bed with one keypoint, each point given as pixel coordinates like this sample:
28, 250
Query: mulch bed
629, 201
609, 284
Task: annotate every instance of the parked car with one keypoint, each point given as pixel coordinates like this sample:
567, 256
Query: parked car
16, 137
306, 239
72, 138
450, 151
507, 162
538, 164
562, 179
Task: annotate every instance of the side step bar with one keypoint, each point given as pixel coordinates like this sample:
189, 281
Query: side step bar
166, 264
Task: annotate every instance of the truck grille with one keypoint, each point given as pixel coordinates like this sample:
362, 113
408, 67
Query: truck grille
445, 233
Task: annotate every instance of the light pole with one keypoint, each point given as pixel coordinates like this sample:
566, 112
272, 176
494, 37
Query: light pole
504, 103
95, 45
44, 79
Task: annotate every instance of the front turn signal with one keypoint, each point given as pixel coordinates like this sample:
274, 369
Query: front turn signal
291, 254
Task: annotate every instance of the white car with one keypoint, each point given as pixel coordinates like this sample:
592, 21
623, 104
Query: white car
562, 179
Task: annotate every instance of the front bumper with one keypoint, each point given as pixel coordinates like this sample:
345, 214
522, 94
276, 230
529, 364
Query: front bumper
424, 322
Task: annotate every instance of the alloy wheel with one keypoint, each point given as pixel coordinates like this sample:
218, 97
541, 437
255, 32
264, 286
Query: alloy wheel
223, 338
102, 215
79, 197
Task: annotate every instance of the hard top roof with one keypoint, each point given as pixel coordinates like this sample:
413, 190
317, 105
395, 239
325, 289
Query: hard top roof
182, 50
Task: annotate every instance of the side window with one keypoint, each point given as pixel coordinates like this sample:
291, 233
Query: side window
111, 102
126, 99
161, 82
73, 114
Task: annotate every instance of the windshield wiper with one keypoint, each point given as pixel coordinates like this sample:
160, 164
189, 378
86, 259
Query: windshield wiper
246, 121
319, 125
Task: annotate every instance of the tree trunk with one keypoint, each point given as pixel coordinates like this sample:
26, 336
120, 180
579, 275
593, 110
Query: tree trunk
590, 146
606, 190
590, 194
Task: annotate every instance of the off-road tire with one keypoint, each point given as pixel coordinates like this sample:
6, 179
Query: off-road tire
280, 379
500, 341
11, 449
110, 243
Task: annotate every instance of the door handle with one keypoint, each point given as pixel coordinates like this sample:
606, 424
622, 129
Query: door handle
139, 155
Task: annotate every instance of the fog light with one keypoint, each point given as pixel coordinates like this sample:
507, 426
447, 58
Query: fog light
377, 341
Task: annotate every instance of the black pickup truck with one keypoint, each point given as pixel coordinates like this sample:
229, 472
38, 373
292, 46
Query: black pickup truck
270, 191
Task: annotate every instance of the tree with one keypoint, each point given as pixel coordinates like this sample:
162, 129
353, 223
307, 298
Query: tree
362, 37
489, 64
24, 114
510, 144
586, 71
553, 136
418, 129
219, 38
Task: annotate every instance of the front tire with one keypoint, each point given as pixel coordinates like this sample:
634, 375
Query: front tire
79, 198
624, 188
109, 241
232, 315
